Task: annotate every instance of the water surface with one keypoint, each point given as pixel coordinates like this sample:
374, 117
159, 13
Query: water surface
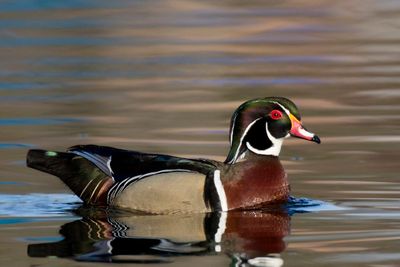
165, 77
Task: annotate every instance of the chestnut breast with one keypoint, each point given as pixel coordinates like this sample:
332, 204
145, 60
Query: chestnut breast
255, 183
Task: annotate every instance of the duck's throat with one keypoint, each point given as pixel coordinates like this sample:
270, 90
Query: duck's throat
260, 141
274, 150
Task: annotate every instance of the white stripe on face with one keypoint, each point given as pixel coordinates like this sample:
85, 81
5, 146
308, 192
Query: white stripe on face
282, 107
277, 142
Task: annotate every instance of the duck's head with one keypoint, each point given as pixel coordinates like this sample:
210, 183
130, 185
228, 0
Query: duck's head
261, 125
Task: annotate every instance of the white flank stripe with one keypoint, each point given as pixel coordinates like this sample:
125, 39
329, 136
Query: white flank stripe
220, 190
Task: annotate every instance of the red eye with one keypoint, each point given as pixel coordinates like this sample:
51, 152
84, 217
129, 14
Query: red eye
275, 114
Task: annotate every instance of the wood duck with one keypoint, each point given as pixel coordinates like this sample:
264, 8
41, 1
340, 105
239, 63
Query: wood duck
251, 176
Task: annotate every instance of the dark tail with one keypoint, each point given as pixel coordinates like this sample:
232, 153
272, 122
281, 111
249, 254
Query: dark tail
83, 177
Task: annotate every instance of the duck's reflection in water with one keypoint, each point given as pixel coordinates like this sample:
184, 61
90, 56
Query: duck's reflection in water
248, 237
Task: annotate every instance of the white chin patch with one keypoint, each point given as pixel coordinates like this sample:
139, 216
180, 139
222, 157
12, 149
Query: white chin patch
274, 150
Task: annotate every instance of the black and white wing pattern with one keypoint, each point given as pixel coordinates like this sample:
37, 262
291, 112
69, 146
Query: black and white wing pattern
123, 164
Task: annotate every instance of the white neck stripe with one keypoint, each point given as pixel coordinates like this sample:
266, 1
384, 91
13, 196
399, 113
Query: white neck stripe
241, 140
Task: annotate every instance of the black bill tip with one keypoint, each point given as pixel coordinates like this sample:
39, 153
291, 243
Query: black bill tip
316, 139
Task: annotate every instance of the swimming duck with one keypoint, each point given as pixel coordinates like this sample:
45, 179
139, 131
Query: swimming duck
251, 176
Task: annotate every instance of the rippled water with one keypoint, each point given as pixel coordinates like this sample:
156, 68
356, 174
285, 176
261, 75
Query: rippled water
165, 76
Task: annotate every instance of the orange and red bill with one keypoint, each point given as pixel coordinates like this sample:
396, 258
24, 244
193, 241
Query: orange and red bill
299, 131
